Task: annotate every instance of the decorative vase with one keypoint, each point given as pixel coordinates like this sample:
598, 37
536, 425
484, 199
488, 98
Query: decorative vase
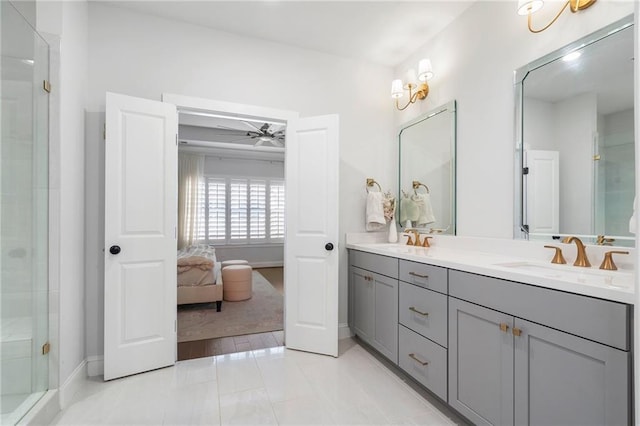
393, 231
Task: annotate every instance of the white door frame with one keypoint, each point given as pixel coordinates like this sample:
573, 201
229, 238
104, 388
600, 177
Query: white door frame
231, 109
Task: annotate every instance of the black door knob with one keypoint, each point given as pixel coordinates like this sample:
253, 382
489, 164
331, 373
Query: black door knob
328, 247
114, 249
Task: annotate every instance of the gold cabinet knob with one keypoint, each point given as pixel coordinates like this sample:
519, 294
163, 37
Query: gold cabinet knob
558, 257
607, 262
504, 327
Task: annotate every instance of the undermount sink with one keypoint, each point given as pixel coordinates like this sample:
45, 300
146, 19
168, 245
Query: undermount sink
572, 273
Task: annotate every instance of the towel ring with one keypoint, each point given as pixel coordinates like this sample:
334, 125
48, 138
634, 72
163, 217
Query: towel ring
371, 182
417, 184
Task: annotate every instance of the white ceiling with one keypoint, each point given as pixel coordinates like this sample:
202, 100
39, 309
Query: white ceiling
382, 32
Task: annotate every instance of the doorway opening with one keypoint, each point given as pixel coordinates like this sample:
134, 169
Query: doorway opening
231, 189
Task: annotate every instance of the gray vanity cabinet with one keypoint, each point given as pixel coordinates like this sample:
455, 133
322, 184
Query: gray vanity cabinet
506, 370
480, 363
362, 306
561, 379
374, 292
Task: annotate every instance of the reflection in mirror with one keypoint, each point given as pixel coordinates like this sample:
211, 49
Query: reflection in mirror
576, 154
427, 171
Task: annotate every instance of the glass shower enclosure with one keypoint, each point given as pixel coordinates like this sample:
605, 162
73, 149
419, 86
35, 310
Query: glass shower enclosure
24, 192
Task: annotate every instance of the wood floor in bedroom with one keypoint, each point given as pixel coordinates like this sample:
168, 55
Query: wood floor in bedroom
230, 345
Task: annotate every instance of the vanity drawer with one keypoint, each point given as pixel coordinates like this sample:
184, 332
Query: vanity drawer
424, 311
599, 320
423, 360
374, 262
427, 276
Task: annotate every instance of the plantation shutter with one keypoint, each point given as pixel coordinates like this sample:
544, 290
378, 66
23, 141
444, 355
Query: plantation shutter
217, 209
238, 211
276, 204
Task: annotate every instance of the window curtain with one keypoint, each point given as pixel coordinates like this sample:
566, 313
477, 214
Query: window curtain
190, 182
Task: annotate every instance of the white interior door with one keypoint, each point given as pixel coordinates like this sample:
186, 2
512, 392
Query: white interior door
140, 235
311, 247
542, 191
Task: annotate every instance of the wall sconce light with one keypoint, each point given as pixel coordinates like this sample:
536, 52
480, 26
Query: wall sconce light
417, 90
529, 7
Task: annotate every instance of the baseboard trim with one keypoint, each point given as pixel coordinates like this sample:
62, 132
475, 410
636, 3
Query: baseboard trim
95, 366
72, 384
344, 332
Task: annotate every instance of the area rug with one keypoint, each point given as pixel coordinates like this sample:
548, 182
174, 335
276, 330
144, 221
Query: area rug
262, 313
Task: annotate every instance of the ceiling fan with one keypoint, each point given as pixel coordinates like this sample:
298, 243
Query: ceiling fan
266, 133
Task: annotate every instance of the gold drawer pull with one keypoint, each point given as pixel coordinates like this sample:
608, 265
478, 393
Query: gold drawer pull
424, 314
415, 358
415, 274
504, 327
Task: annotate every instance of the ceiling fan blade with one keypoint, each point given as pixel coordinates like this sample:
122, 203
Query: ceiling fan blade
239, 140
276, 142
228, 128
251, 125
259, 143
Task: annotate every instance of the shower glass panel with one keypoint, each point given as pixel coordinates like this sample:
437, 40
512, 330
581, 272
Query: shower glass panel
24, 149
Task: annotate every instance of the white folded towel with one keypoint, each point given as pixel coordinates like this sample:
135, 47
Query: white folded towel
374, 214
425, 210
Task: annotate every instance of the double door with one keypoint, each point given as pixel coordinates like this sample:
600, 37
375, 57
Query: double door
504, 370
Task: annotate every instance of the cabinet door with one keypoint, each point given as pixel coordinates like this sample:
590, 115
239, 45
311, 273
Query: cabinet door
385, 308
363, 313
480, 363
561, 379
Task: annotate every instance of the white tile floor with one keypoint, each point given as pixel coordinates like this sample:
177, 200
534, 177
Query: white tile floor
264, 387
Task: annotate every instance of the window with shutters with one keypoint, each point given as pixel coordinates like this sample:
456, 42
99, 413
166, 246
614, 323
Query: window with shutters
241, 211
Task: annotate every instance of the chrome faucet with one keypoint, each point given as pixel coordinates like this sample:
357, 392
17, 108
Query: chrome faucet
581, 258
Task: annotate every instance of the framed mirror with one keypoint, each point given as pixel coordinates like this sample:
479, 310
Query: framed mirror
427, 192
575, 168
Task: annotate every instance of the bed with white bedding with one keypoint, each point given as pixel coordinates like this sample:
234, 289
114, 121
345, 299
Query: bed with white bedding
199, 276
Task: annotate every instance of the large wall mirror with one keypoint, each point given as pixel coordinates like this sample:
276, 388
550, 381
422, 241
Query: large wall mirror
575, 168
427, 195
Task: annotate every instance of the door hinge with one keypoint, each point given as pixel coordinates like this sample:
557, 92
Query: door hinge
46, 348
46, 86
525, 171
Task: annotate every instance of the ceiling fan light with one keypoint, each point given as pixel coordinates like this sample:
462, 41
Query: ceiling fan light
529, 6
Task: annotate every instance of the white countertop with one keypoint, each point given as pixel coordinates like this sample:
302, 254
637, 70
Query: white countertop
610, 285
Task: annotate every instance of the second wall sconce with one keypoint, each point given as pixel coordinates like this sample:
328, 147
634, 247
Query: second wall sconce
529, 7
416, 84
